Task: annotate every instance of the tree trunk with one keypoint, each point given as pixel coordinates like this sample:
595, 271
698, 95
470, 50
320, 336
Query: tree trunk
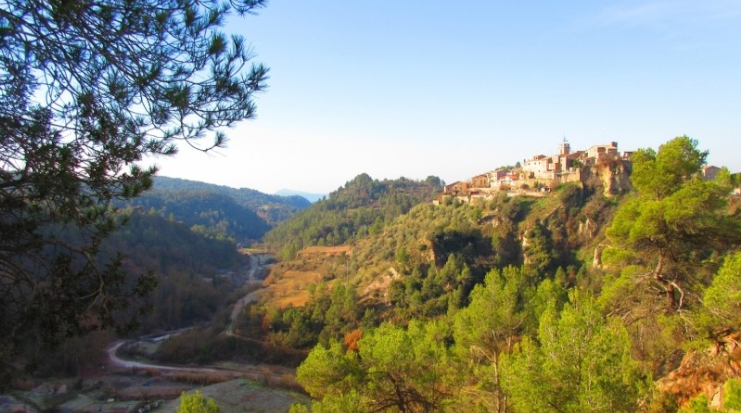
670, 287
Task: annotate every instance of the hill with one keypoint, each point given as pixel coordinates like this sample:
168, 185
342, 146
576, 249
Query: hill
195, 277
220, 212
359, 208
213, 214
424, 264
272, 208
189, 266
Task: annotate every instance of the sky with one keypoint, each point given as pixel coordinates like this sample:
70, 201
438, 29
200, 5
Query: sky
453, 89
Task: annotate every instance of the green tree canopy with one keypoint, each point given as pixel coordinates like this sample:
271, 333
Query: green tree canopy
676, 219
196, 402
721, 301
487, 327
87, 90
394, 370
581, 363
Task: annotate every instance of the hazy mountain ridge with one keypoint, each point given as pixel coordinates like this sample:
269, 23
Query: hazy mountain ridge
312, 197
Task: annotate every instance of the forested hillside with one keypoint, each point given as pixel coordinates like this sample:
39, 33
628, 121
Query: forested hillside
184, 236
358, 209
219, 212
574, 302
190, 274
272, 208
213, 214
189, 268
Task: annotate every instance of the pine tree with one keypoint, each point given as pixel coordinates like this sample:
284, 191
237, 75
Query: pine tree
88, 89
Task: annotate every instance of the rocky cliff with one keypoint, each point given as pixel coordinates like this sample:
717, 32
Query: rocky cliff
612, 174
704, 372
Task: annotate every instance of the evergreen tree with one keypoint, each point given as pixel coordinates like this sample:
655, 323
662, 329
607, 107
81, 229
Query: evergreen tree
676, 220
581, 363
394, 369
486, 329
87, 90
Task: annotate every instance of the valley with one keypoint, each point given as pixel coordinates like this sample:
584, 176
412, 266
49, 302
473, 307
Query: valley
138, 381
586, 278
403, 293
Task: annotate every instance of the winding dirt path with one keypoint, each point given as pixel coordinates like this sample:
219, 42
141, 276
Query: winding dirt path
255, 265
268, 373
274, 375
116, 361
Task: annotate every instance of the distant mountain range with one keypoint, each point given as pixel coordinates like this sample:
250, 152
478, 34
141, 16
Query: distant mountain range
307, 195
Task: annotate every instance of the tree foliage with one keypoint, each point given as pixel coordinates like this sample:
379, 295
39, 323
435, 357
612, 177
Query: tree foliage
196, 402
676, 219
487, 328
87, 90
720, 312
360, 208
394, 370
731, 401
581, 363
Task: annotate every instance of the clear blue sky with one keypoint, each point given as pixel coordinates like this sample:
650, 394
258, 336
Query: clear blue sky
416, 88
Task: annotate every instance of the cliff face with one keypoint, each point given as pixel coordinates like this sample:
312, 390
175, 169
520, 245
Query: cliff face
704, 372
612, 174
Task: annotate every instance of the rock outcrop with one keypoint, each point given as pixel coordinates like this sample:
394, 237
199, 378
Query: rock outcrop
704, 372
613, 174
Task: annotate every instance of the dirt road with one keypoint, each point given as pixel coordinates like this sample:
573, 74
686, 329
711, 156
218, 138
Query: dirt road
256, 264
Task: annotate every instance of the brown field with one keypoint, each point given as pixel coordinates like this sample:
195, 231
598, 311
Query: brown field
286, 285
339, 250
291, 288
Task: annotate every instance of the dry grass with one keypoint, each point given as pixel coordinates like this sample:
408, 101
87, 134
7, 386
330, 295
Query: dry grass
203, 379
240, 396
339, 250
287, 283
291, 288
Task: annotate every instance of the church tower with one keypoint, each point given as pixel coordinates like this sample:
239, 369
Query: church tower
564, 148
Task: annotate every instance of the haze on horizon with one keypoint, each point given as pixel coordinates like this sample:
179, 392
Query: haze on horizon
425, 88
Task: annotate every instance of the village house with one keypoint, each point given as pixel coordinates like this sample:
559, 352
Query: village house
480, 181
508, 181
496, 176
458, 188
537, 165
709, 172
597, 153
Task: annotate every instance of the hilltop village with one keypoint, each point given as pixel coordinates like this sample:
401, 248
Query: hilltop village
540, 174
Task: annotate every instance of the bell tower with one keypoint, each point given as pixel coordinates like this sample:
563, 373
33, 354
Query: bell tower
564, 148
